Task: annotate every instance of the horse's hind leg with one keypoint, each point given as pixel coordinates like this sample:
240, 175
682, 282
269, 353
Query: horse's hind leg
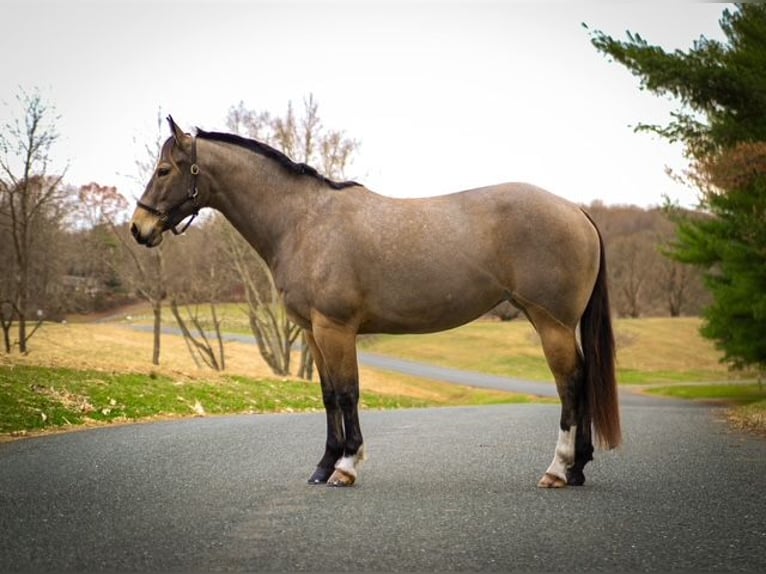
583, 447
574, 447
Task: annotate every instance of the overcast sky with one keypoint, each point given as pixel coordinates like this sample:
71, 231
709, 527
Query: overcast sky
442, 96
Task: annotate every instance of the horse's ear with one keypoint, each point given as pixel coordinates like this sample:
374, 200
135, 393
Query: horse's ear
178, 134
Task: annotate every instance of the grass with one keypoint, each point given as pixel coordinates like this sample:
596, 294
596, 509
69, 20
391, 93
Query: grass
86, 373
233, 316
747, 401
91, 374
668, 352
740, 393
652, 350
509, 349
750, 417
648, 351
34, 398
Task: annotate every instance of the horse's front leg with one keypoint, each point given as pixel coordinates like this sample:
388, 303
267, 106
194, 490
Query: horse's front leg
335, 438
335, 344
353, 448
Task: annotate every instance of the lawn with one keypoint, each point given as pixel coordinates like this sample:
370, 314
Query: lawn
662, 356
33, 398
648, 351
94, 373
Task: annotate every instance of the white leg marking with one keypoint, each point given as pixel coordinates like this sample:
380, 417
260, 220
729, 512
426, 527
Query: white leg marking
348, 464
564, 456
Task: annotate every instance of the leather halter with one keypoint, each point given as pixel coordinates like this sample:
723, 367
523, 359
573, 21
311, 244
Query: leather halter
192, 194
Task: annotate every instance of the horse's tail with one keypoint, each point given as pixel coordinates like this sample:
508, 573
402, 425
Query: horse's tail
597, 339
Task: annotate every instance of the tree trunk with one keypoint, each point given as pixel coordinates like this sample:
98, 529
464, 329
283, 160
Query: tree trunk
306, 366
217, 325
7, 311
7, 337
21, 308
157, 311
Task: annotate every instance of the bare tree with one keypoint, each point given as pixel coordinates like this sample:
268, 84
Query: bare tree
96, 253
675, 284
274, 332
304, 139
197, 285
148, 281
200, 347
678, 285
643, 280
27, 195
149, 265
631, 264
7, 313
142, 271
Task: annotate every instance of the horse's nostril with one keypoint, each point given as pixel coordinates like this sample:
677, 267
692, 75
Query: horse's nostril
134, 230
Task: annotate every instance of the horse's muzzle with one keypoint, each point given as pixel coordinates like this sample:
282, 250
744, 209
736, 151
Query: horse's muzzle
146, 229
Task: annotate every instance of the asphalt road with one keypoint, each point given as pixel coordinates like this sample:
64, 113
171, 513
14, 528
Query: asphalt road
444, 490
496, 382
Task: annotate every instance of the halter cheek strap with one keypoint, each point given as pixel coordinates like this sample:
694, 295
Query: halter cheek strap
192, 194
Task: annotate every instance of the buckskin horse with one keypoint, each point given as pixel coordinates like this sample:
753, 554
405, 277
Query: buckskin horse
348, 261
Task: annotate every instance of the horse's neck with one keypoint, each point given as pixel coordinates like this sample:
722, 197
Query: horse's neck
258, 198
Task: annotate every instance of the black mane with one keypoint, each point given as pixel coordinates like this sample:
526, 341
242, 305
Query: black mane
272, 153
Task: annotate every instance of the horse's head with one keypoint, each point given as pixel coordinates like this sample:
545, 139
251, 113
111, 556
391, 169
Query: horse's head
171, 194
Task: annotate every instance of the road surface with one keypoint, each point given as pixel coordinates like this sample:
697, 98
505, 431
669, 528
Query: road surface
449, 489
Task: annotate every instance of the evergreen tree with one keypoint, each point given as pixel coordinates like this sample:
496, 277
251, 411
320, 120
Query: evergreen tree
721, 120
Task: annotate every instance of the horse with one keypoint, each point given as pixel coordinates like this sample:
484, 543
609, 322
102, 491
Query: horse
348, 261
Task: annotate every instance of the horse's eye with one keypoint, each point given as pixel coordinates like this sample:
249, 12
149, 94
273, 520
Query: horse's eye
163, 171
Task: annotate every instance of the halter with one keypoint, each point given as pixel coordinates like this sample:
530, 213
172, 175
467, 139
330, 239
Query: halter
192, 194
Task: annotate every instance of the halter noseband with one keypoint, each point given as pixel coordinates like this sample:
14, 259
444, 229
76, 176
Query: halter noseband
192, 194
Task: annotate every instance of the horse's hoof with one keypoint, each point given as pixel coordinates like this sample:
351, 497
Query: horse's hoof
320, 476
340, 478
550, 481
575, 477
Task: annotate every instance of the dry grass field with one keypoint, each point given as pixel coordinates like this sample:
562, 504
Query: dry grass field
116, 348
649, 351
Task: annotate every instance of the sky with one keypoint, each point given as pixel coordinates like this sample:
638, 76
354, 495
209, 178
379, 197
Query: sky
442, 96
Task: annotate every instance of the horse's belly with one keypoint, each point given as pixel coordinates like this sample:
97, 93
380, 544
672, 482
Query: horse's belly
435, 311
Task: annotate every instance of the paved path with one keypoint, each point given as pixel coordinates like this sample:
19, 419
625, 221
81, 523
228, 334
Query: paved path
628, 396
444, 490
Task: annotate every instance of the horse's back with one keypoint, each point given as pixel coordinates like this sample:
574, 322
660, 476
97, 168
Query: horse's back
428, 264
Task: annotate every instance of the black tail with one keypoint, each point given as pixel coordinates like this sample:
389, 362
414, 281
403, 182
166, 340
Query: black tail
597, 339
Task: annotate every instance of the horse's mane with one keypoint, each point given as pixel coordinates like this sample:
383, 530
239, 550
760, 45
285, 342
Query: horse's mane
274, 154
